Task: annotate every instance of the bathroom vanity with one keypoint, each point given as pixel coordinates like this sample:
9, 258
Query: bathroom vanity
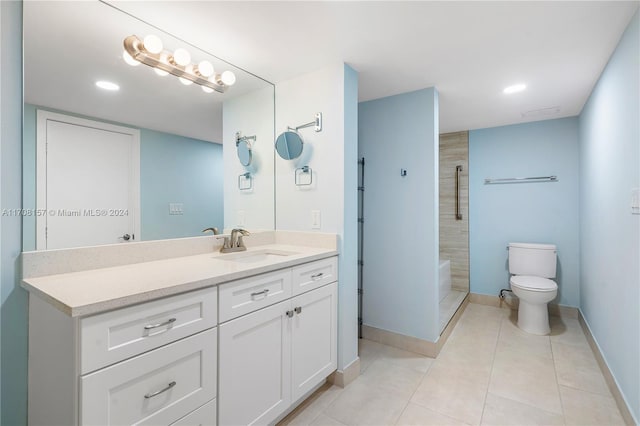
203, 339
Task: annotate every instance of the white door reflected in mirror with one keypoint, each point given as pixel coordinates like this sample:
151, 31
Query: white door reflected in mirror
88, 182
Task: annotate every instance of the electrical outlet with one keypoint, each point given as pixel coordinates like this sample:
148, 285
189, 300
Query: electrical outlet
315, 219
176, 208
241, 218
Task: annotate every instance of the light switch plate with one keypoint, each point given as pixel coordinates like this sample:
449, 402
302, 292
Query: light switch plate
635, 201
315, 219
176, 208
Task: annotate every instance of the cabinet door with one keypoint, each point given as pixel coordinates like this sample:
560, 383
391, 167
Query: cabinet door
314, 339
255, 367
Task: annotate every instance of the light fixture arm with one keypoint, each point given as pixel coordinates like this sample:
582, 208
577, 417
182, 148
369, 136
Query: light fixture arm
134, 47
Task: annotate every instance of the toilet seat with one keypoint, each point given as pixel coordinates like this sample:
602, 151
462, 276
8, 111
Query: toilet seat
531, 283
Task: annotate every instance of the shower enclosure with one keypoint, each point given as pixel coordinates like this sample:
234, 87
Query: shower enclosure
454, 223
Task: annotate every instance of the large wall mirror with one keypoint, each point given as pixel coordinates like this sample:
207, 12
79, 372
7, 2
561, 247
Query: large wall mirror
115, 153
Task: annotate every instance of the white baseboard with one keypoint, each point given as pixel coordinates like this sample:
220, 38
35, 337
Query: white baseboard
512, 303
414, 344
343, 377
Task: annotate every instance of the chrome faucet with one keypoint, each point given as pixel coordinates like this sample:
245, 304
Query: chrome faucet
214, 230
236, 238
234, 242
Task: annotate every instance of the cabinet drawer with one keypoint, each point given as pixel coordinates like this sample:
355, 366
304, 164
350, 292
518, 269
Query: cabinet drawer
155, 388
117, 335
203, 416
247, 295
315, 274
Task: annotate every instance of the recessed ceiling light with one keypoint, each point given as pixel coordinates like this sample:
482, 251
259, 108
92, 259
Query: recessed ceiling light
107, 85
514, 89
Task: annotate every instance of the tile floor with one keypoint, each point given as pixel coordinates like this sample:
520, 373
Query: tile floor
449, 305
488, 373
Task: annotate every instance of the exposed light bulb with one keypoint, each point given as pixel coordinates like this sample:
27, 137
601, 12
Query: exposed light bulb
205, 69
160, 72
514, 89
152, 44
185, 81
181, 57
129, 59
107, 85
206, 89
228, 78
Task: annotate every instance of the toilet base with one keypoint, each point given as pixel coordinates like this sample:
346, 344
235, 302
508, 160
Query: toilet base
533, 318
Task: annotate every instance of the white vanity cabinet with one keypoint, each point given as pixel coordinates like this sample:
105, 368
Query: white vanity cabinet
242, 352
273, 356
152, 363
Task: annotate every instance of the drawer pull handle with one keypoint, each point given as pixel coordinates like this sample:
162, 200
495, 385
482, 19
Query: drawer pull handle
158, 392
258, 293
161, 324
289, 314
317, 276
298, 309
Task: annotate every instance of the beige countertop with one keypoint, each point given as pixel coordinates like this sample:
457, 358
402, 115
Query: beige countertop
98, 290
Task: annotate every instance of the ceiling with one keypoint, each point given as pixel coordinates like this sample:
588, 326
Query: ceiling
470, 51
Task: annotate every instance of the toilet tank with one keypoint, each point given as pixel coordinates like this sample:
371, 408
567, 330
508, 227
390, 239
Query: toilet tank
532, 259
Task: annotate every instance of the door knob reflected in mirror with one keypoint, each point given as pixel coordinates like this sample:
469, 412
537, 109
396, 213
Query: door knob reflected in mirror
126, 237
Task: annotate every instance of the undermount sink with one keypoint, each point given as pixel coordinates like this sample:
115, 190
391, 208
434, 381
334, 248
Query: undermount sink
256, 256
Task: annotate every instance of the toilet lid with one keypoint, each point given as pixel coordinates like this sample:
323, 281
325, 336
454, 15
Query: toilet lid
528, 282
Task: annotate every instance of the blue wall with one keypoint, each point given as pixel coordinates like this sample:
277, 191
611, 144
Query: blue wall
610, 234
173, 169
401, 213
14, 299
348, 242
541, 212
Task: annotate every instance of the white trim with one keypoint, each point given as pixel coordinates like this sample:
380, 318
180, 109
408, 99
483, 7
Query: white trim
41, 167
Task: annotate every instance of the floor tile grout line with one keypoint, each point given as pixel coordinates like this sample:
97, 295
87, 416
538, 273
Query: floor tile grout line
403, 410
587, 391
493, 362
328, 415
555, 372
529, 405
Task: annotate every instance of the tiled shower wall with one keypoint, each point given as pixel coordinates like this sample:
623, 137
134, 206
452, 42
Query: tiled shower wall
454, 234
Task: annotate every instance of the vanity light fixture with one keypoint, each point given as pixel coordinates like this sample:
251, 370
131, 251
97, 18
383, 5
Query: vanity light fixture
151, 52
514, 88
107, 85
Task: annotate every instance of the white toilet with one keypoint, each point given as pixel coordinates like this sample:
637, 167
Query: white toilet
531, 266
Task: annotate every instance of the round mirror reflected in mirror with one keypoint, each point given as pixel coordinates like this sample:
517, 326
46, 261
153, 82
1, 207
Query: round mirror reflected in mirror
244, 152
289, 145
